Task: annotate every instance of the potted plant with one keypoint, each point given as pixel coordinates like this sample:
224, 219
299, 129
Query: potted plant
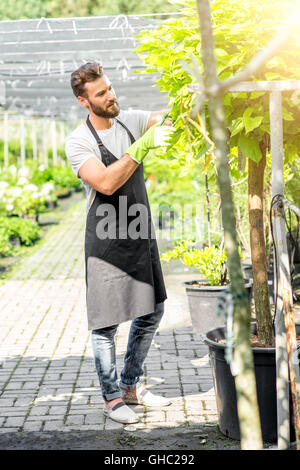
16, 231
203, 293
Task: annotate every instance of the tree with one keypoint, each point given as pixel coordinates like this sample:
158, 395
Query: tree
240, 30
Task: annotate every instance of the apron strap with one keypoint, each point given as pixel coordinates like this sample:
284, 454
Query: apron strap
102, 148
132, 139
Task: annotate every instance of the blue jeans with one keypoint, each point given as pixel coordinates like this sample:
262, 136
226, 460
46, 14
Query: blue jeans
141, 333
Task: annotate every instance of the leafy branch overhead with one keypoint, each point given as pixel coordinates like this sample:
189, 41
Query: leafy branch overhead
241, 30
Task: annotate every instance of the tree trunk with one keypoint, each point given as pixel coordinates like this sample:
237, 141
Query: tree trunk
243, 359
256, 173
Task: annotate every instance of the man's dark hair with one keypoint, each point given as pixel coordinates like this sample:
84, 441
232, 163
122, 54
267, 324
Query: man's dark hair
88, 72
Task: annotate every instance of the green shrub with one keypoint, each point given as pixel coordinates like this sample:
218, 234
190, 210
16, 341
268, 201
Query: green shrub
28, 231
61, 177
210, 261
6, 248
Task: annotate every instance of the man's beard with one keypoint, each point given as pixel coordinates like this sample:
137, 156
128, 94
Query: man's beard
105, 113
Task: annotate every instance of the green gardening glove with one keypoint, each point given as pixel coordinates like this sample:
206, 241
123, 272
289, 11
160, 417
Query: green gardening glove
156, 136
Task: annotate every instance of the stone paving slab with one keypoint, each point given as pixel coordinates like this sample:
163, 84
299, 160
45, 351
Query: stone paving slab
48, 380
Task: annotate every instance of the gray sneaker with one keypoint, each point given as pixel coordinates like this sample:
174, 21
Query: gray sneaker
142, 396
121, 413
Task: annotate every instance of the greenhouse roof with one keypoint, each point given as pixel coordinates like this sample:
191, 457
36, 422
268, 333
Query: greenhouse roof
37, 57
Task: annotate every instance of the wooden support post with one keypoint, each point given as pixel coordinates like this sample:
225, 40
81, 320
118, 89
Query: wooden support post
54, 142
34, 140
5, 132
45, 142
62, 140
40, 140
22, 140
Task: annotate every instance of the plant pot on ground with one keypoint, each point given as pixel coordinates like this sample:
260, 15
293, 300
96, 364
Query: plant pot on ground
62, 192
203, 294
203, 304
15, 241
51, 204
224, 385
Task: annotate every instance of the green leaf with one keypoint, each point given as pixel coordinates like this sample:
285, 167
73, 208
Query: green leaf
251, 123
227, 99
221, 52
287, 116
238, 126
250, 147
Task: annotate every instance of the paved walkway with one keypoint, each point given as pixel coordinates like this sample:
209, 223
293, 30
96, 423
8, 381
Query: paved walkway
48, 378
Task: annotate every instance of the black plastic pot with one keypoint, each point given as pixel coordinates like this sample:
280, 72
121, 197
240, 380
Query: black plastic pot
64, 194
15, 241
265, 374
78, 189
51, 204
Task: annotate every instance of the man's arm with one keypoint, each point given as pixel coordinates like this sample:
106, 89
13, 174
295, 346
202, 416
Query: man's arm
108, 179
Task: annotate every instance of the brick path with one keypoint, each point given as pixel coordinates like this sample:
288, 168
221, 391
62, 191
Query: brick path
48, 380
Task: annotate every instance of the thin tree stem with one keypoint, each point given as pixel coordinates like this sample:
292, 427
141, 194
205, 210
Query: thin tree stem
243, 359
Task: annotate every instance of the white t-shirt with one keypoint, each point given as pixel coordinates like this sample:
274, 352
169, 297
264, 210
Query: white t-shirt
81, 144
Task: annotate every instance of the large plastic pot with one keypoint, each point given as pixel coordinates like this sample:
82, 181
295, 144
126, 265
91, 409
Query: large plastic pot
265, 374
203, 302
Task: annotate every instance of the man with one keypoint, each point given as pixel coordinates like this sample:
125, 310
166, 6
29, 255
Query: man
123, 272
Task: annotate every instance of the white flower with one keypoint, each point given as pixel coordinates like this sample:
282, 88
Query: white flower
17, 191
22, 181
13, 169
47, 188
35, 195
30, 187
9, 207
41, 167
3, 184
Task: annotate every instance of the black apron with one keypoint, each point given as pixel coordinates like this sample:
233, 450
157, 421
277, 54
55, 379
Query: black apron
123, 272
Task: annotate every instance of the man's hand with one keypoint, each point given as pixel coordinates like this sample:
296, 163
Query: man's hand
157, 136
156, 117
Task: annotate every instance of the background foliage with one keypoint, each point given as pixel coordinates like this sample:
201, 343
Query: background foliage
18, 9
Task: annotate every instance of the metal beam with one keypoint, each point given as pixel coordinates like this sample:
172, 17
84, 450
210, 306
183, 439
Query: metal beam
280, 85
282, 370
